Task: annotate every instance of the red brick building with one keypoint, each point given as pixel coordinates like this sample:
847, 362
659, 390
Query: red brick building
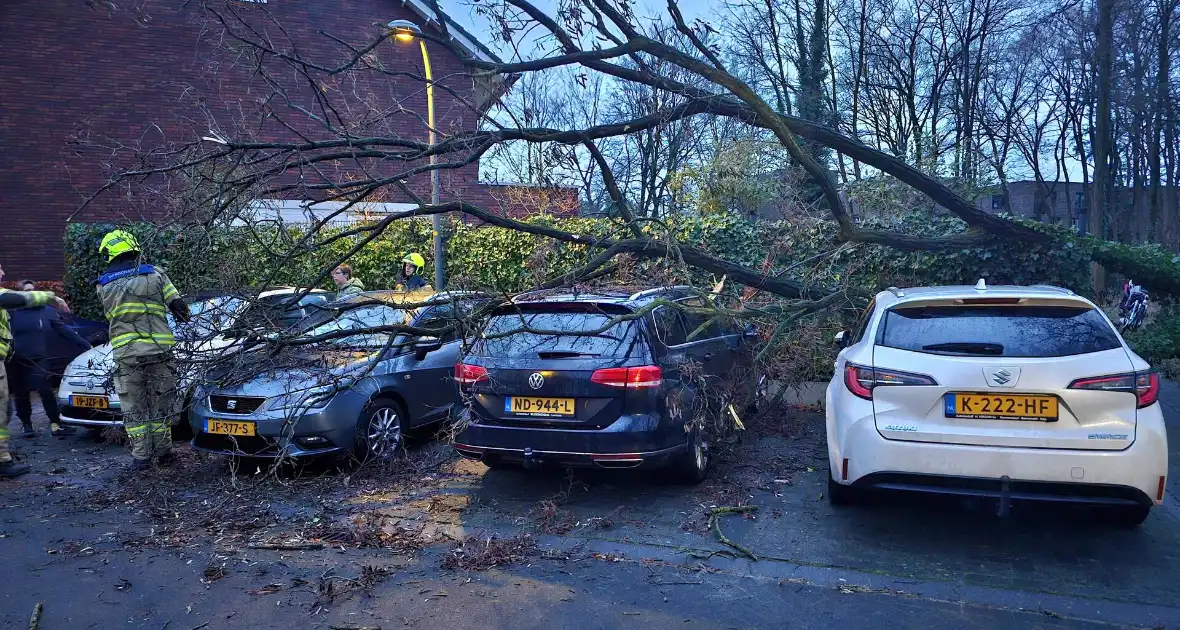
156, 73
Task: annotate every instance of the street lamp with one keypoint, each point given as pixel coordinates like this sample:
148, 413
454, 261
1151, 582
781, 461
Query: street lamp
406, 31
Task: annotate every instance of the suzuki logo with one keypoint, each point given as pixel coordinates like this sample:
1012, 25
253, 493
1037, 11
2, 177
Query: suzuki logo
536, 380
1002, 377
231, 404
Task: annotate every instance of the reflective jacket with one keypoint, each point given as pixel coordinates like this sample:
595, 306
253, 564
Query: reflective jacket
135, 298
16, 299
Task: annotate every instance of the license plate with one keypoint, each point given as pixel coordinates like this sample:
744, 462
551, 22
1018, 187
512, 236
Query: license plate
1001, 407
90, 402
229, 427
527, 406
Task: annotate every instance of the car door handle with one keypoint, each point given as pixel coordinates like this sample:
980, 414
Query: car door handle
708, 356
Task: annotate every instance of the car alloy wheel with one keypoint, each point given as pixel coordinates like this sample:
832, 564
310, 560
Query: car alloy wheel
383, 433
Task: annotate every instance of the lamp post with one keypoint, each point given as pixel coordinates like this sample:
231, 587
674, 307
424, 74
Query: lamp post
407, 31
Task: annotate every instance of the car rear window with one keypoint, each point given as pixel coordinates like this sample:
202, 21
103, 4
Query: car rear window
511, 335
1003, 331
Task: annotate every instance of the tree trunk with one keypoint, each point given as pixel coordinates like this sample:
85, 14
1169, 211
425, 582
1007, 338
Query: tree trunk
1103, 59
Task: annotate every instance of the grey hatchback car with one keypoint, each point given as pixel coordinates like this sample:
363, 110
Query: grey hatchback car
348, 392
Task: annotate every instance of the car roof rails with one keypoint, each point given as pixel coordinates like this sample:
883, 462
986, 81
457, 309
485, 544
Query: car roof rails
1054, 288
647, 292
896, 292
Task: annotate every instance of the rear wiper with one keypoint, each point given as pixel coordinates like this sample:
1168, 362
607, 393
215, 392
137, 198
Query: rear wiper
563, 354
967, 347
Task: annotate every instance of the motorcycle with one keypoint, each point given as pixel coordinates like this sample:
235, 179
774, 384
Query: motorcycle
1133, 307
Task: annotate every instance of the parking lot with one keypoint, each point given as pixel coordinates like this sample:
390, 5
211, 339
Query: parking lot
434, 534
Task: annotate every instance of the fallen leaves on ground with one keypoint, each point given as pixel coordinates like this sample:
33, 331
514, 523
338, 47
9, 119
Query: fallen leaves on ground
482, 553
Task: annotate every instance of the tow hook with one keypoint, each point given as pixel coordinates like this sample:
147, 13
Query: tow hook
531, 460
1005, 499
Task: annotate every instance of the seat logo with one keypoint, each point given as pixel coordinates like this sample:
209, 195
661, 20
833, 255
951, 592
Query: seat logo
1002, 377
231, 404
536, 380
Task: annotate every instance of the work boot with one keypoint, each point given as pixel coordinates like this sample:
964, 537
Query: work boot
60, 431
10, 469
29, 433
165, 460
140, 465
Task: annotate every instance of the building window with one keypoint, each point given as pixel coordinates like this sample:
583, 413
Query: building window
997, 202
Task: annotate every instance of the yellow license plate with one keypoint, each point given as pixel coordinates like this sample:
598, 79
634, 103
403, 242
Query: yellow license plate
90, 402
1001, 407
527, 406
229, 427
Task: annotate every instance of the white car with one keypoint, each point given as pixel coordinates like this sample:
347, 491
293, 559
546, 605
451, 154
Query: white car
87, 397
1012, 393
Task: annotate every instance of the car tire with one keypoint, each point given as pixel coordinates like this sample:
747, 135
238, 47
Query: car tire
692, 465
841, 495
380, 430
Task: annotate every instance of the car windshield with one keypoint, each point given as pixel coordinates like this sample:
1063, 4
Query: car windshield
209, 317
1001, 331
508, 336
360, 319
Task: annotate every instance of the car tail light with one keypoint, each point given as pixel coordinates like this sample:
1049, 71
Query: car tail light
632, 378
470, 374
861, 380
1145, 386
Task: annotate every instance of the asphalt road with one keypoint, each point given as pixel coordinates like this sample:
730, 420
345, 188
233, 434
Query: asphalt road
614, 551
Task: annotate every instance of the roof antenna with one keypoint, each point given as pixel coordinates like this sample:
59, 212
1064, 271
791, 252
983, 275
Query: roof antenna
981, 285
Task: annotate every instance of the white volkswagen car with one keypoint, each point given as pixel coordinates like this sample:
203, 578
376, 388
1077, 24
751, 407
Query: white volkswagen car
87, 396
1012, 393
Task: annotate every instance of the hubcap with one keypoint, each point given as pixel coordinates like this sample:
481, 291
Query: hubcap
385, 431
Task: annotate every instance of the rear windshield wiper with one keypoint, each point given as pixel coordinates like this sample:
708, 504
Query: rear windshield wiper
564, 354
967, 347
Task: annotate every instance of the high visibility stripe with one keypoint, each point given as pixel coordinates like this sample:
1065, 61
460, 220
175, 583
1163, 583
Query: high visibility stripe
4, 430
159, 339
136, 308
137, 431
158, 427
170, 292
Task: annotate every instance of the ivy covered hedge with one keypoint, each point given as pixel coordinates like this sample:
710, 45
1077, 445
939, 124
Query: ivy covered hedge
505, 260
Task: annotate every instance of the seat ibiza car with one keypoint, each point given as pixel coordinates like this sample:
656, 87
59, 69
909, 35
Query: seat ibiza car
1007, 392
566, 380
351, 388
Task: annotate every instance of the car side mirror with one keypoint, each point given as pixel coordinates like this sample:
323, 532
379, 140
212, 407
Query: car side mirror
425, 345
842, 339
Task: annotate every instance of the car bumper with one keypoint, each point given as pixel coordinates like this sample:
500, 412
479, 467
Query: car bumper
278, 434
861, 457
629, 442
89, 418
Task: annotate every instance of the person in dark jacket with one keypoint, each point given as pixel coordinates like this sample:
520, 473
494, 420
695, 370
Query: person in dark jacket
35, 330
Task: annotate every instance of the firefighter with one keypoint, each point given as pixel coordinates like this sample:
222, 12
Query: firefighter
137, 298
10, 300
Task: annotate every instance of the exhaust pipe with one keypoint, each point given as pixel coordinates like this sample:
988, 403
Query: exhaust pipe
470, 452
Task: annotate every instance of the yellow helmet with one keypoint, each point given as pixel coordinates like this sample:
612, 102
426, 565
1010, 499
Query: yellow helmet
415, 259
118, 242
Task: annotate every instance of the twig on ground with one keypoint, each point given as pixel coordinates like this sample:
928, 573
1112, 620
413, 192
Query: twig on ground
714, 521
287, 546
35, 618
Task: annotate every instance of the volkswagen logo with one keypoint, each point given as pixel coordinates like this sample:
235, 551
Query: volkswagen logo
536, 380
231, 404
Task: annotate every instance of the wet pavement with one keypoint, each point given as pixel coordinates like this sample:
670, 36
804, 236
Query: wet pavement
181, 548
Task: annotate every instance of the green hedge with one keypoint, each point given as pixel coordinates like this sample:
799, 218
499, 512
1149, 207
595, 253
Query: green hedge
506, 260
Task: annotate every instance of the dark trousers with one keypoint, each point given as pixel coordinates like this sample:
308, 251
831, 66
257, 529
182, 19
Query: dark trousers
26, 376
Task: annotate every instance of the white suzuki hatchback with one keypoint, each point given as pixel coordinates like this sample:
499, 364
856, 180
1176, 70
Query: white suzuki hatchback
1006, 392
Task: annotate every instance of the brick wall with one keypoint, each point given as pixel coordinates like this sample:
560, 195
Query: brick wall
74, 77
